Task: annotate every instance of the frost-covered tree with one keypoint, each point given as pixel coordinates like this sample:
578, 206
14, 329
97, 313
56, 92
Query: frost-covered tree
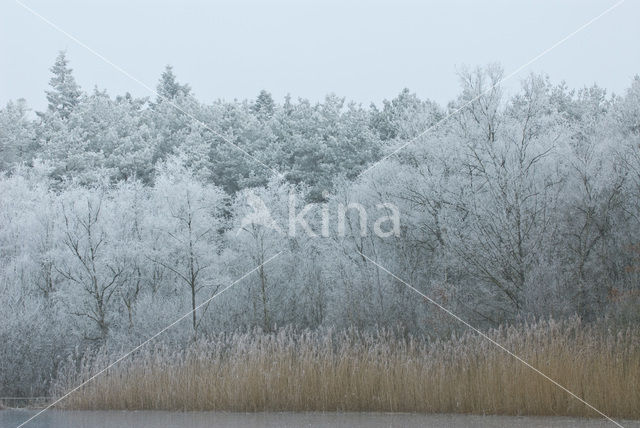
17, 141
65, 93
168, 88
404, 117
188, 221
264, 106
92, 264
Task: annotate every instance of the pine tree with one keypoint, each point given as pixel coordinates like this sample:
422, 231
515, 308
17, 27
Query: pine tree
168, 88
264, 106
66, 93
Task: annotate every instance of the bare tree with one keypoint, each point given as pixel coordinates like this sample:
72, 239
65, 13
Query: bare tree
89, 263
190, 221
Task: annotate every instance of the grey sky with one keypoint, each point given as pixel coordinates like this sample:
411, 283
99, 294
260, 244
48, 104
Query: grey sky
363, 50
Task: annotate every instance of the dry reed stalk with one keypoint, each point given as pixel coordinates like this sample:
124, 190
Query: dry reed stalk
378, 372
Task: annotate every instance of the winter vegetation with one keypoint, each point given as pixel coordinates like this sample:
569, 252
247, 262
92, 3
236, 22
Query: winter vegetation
119, 215
376, 371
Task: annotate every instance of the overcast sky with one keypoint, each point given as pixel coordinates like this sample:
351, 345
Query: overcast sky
363, 50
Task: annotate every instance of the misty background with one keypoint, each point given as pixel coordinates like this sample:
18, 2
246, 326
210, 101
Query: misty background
364, 50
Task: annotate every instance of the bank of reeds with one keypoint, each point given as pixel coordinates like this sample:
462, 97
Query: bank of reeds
346, 371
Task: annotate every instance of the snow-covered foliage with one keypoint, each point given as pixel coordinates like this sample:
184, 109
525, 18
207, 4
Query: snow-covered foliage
119, 215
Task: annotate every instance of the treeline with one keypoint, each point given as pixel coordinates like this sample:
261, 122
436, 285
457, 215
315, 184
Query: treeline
85, 138
119, 215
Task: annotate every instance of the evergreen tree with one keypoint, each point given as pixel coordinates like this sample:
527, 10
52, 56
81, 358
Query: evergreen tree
65, 93
264, 106
168, 88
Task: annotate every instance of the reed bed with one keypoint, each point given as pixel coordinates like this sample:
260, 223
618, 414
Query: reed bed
348, 371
